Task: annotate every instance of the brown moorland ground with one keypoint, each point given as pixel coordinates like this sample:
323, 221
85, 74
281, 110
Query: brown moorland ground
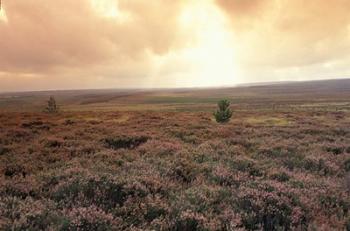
157, 160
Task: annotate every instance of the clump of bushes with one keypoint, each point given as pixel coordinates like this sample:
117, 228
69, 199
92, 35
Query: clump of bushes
24, 214
335, 150
32, 124
348, 149
224, 113
186, 136
14, 169
248, 166
53, 143
160, 148
90, 218
184, 171
3, 150
125, 142
281, 177
333, 204
348, 224
84, 192
347, 165
188, 221
270, 210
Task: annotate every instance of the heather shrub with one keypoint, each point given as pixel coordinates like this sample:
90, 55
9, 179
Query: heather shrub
27, 214
297, 184
126, 142
89, 218
187, 224
3, 150
37, 124
186, 136
191, 175
269, 210
224, 113
272, 152
205, 153
203, 203
189, 221
14, 169
53, 143
201, 158
69, 122
20, 190
293, 163
159, 148
347, 224
102, 192
198, 199
184, 171
18, 135
347, 165
248, 166
145, 212
224, 177
281, 177
335, 150
154, 212
317, 166
44, 221
333, 204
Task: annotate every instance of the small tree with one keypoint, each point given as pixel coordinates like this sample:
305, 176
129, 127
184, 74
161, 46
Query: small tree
224, 113
51, 105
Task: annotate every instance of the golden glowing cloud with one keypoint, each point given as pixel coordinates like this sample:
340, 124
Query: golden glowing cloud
3, 17
110, 9
208, 55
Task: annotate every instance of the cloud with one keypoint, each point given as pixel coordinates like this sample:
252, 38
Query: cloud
283, 33
74, 37
243, 13
138, 43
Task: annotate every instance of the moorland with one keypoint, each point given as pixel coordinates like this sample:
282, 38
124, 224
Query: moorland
157, 160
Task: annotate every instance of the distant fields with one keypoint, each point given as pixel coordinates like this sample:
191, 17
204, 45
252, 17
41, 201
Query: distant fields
320, 95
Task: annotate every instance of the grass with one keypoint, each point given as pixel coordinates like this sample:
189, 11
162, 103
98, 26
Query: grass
268, 121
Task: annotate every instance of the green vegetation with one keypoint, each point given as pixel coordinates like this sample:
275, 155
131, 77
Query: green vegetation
224, 113
173, 171
125, 142
112, 162
51, 105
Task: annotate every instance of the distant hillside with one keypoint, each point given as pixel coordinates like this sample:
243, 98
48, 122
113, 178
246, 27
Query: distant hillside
129, 99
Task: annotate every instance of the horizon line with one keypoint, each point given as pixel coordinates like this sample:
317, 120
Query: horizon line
248, 84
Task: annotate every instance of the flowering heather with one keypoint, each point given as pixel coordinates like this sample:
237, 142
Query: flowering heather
263, 170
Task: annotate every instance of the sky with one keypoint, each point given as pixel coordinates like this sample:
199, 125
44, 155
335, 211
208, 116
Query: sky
90, 44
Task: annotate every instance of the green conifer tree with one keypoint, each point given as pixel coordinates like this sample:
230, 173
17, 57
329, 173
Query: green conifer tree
224, 113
